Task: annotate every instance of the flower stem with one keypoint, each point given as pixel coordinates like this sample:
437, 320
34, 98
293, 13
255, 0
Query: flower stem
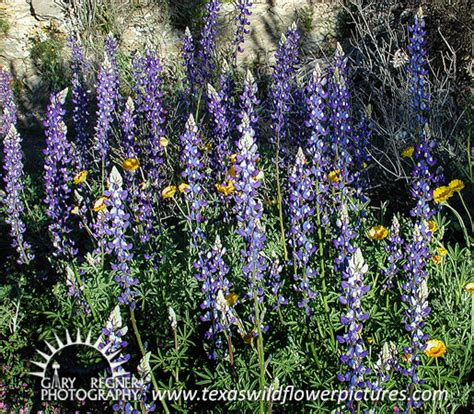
143, 352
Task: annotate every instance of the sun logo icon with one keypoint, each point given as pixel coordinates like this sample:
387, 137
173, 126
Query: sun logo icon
115, 371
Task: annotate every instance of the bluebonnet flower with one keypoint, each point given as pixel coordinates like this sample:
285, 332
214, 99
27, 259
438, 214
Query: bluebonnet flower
221, 132
317, 148
193, 172
275, 282
353, 290
227, 86
59, 165
80, 104
13, 166
343, 242
207, 42
249, 101
415, 297
118, 221
188, 54
128, 124
341, 123
242, 18
150, 97
213, 276
386, 364
283, 78
107, 96
8, 115
112, 341
249, 210
394, 253
301, 230
418, 69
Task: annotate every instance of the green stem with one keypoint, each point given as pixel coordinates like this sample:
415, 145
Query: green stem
83, 289
261, 356
467, 211
463, 226
280, 200
143, 352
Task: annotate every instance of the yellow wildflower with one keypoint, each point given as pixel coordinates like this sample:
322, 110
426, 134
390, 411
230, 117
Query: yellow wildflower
169, 191
164, 142
442, 194
100, 204
437, 259
334, 177
435, 348
370, 340
231, 172
378, 232
432, 226
469, 287
231, 298
80, 177
233, 158
226, 189
130, 164
408, 151
456, 185
183, 187
441, 251
75, 210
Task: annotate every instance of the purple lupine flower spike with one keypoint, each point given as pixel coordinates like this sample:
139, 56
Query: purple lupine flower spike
118, 222
80, 111
188, 54
221, 131
416, 298
127, 122
249, 210
8, 115
207, 42
249, 101
275, 282
242, 18
152, 106
418, 69
283, 78
339, 100
353, 290
317, 148
58, 175
301, 229
106, 97
394, 251
213, 275
424, 175
13, 167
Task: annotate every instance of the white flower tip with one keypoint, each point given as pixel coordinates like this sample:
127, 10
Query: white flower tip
300, 158
115, 318
293, 26
130, 105
190, 124
249, 77
420, 13
339, 50
211, 90
62, 95
187, 32
115, 177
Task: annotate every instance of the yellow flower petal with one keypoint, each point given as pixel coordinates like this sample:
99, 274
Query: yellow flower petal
334, 176
435, 348
231, 298
378, 233
183, 187
169, 191
80, 177
442, 194
469, 287
164, 142
130, 164
100, 204
75, 210
233, 158
226, 189
437, 259
456, 185
408, 152
441, 251
432, 226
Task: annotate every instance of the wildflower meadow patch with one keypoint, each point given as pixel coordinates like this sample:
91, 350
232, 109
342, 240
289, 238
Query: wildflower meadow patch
202, 237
